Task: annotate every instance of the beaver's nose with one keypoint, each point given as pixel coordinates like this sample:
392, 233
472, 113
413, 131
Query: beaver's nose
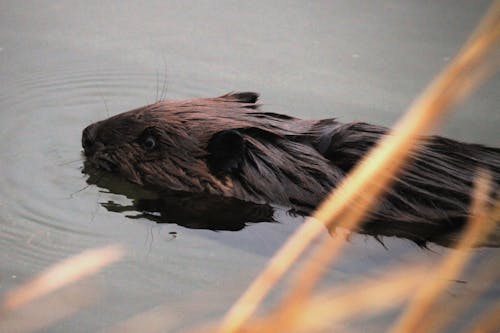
88, 139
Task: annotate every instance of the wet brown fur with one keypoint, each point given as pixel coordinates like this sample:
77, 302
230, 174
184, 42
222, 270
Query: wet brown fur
227, 146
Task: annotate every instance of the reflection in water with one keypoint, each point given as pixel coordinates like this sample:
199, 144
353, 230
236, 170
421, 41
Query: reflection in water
203, 211
197, 211
190, 210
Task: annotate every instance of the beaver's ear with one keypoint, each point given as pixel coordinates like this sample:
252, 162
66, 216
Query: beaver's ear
226, 151
241, 97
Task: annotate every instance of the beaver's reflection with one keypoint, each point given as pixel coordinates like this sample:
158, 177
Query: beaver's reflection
196, 211
203, 211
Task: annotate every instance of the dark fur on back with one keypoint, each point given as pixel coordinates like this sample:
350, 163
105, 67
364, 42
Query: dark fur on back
227, 146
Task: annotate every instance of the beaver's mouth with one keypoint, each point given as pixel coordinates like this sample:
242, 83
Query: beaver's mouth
103, 161
106, 163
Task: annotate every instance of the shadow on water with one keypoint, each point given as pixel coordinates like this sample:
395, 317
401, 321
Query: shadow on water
210, 212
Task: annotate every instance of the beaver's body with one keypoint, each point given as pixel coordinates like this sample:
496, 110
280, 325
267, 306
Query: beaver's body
227, 146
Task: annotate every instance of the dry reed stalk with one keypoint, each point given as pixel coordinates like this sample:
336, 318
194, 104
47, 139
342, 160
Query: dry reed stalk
480, 224
375, 171
488, 273
331, 307
337, 304
60, 275
294, 301
46, 311
158, 319
489, 322
308, 275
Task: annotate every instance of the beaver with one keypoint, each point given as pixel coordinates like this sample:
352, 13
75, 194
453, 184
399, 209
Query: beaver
228, 146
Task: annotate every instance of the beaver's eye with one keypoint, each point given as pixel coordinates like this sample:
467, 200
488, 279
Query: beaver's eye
149, 143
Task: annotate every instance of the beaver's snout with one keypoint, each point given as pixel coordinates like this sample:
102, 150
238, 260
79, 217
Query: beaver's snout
93, 149
89, 139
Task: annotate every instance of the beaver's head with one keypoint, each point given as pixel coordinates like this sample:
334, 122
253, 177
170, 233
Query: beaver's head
140, 145
224, 146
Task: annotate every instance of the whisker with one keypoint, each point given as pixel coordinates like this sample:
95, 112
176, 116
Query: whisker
165, 85
99, 177
94, 213
80, 190
70, 162
157, 86
104, 101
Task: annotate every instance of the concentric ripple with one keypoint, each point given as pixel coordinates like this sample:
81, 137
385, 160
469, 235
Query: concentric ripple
49, 212
46, 211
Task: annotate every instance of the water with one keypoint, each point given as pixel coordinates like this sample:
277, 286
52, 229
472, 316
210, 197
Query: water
66, 64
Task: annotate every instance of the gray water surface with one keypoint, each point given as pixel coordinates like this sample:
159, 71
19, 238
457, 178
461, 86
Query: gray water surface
66, 64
